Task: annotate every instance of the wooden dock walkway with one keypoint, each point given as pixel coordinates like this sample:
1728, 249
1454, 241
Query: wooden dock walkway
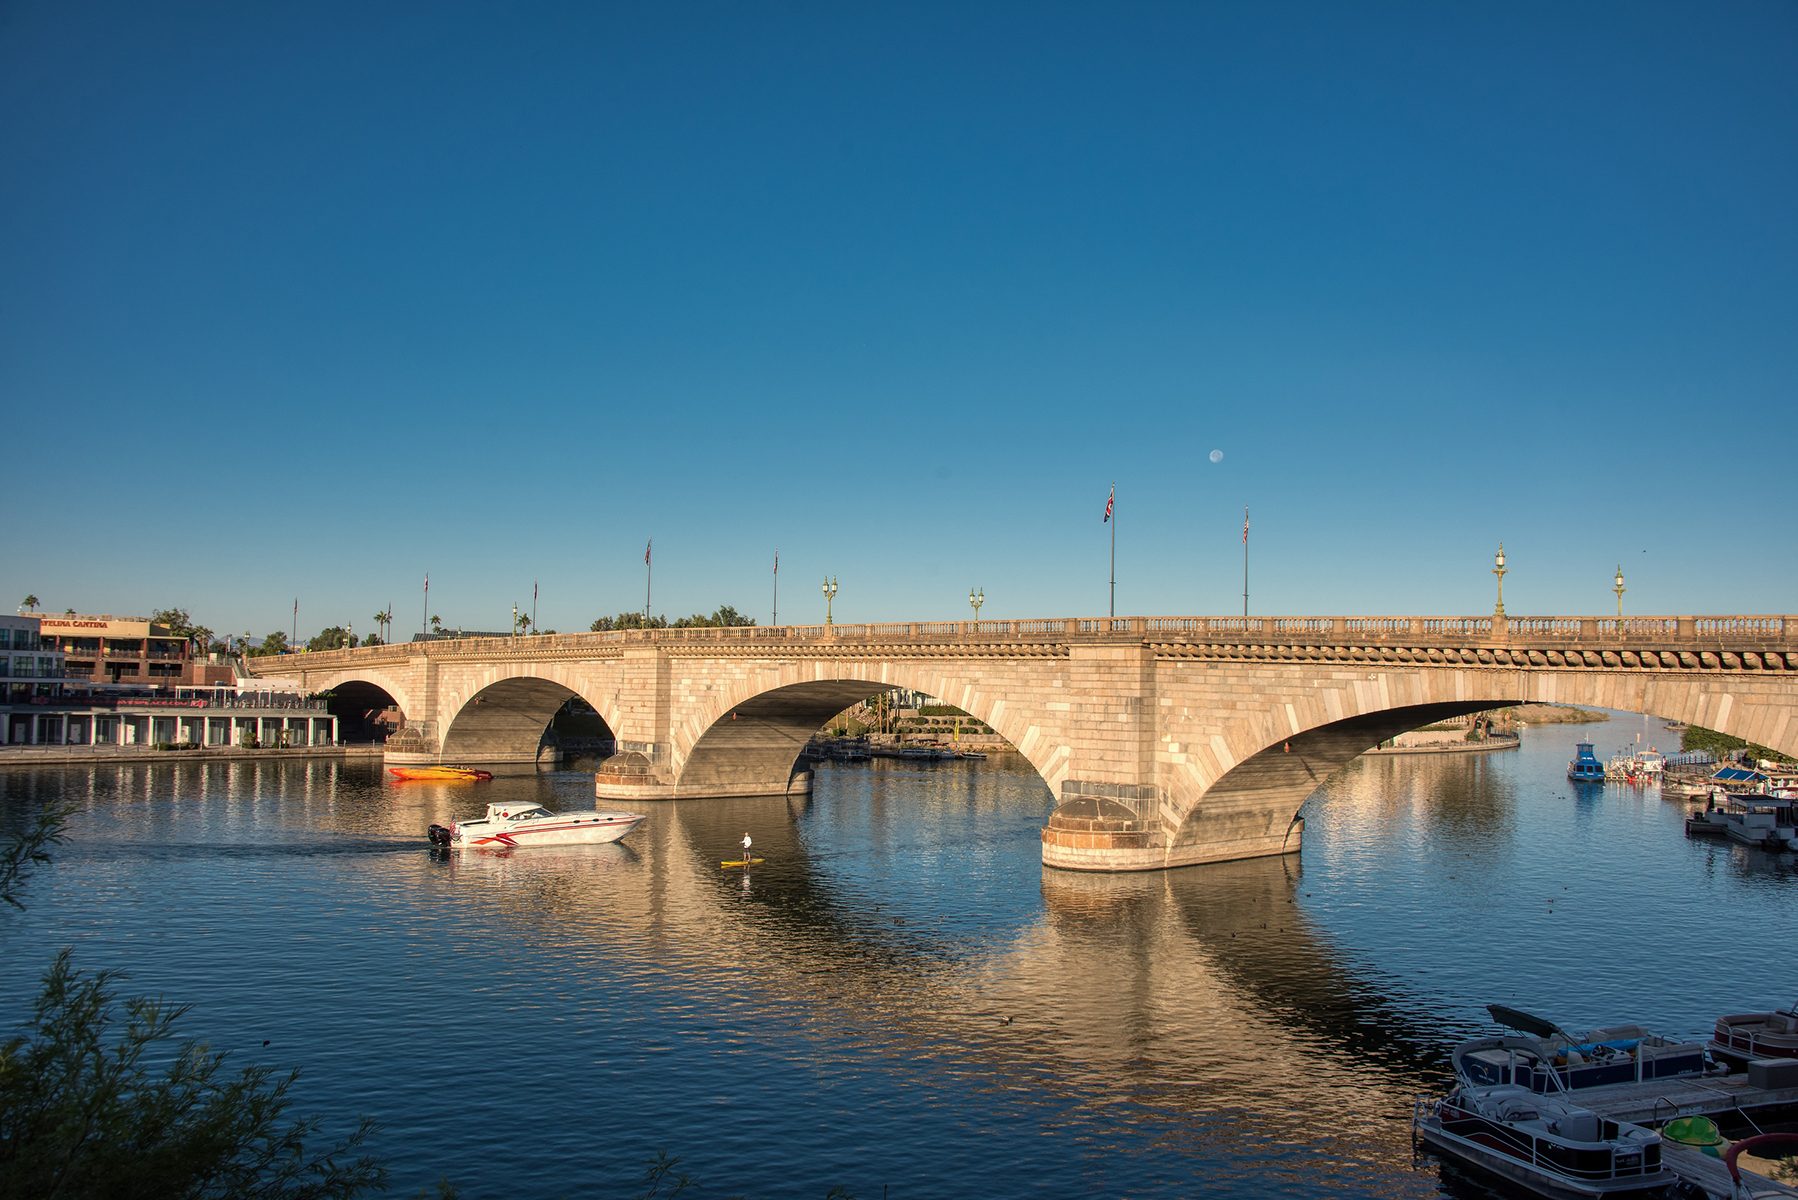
1701, 1170
1655, 1102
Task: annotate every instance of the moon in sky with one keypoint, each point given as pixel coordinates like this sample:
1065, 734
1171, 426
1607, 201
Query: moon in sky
1217, 456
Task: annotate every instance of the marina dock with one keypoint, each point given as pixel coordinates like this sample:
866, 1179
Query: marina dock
1656, 1102
1701, 1170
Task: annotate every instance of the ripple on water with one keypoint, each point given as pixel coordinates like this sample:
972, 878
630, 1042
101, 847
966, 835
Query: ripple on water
901, 997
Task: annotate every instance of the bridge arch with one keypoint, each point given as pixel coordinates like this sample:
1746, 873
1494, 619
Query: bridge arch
1260, 771
749, 736
364, 683
502, 718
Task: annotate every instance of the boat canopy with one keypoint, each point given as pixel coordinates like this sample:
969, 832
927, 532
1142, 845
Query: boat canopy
1738, 775
1526, 1023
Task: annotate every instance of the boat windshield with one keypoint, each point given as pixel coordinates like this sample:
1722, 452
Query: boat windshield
530, 814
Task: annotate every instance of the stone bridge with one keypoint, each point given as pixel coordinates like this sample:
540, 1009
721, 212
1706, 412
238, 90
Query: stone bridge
1167, 740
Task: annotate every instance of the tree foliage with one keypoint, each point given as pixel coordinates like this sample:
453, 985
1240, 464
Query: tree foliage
628, 620
723, 617
274, 643
29, 602
30, 849
178, 622
1693, 737
92, 1104
335, 637
95, 1101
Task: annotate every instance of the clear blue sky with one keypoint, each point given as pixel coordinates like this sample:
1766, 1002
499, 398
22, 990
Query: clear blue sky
308, 300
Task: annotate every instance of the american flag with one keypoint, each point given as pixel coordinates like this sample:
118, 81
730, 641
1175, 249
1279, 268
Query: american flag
777, 562
1245, 526
646, 546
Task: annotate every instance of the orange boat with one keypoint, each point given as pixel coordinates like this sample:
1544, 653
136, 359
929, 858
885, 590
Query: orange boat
441, 774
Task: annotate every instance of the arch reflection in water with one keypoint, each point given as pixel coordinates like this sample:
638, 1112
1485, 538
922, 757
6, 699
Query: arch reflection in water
901, 972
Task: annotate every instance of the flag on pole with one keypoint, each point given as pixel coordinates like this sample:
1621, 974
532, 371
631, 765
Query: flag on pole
777, 562
1245, 526
1108, 501
296, 606
533, 591
646, 546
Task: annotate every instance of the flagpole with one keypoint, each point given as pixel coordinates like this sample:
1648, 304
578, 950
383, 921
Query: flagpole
426, 626
1114, 547
776, 620
1245, 561
533, 604
296, 622
649, 572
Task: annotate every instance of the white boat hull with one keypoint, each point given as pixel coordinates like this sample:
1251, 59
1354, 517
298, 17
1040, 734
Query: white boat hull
563, 829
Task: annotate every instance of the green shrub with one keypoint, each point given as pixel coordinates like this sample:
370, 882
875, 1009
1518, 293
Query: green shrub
85, 1114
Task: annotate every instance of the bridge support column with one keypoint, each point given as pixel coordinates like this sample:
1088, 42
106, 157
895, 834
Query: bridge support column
1109, 818
1104, 827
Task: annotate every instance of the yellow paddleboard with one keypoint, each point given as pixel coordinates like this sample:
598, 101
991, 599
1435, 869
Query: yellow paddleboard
738, 862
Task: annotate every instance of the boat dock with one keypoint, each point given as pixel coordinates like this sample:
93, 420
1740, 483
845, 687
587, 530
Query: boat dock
1709, 1174
1655, 1102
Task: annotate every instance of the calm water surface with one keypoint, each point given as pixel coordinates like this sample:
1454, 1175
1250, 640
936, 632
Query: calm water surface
901, 1001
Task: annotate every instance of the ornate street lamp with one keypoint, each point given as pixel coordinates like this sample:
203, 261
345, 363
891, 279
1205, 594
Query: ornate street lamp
1498, 569
1619, 589
975, 600
830, 593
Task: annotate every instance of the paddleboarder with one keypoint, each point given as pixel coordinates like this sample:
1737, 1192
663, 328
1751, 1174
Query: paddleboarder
746, 845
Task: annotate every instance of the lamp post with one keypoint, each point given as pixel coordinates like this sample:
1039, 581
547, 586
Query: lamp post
514, 621
1619, 589
830, 593
1498, 569
975, 599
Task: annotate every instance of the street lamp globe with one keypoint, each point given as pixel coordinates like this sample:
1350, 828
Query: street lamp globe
1498, 569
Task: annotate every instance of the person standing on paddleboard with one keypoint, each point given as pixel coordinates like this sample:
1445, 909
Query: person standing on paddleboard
746, 845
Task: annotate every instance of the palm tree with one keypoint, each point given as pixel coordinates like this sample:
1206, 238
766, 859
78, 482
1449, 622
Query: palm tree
29, 602
384, 622
436, 623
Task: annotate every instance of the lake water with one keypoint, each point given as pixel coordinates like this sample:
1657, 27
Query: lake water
901, 1001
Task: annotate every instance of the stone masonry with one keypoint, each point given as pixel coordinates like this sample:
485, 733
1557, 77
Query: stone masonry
1167, 741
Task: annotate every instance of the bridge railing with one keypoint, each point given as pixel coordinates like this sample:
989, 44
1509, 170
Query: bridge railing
1544, 631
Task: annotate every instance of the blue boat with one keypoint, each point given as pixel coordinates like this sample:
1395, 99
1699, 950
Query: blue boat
1585, 767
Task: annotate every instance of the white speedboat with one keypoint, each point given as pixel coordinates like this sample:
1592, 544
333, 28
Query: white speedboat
507, 826
1544, 1143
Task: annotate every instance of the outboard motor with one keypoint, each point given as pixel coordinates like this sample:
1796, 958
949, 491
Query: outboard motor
439, 835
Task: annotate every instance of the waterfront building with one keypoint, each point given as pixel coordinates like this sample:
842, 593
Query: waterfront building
128, 651
29, 668
43, 702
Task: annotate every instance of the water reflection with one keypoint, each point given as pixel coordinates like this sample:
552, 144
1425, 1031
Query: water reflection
900, 971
